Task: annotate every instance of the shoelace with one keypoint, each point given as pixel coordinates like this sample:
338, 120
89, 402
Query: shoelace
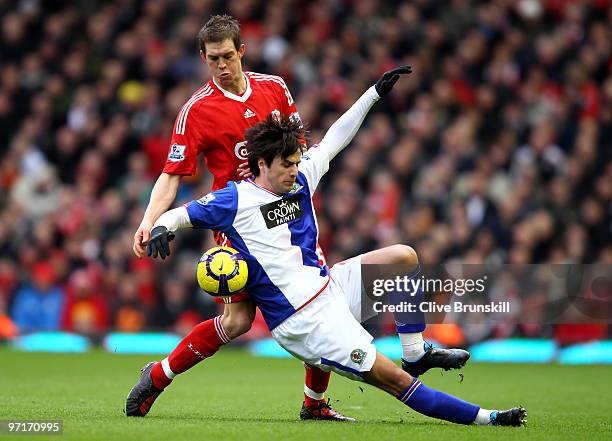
324, 406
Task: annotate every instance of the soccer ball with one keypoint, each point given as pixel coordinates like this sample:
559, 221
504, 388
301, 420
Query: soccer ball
222, 272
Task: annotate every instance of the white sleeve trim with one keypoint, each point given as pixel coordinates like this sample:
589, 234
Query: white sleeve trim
175, 219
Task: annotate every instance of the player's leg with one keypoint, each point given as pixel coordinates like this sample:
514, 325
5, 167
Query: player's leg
316, 382
202, 342
387, 376
236, 322
417, 356
237, 319
326, 334
315, 407
238, 316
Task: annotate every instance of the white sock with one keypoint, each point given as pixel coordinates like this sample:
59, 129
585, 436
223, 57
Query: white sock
484, 417
412, 346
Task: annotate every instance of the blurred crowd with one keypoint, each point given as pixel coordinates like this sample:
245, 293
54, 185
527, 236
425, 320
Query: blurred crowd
497, 149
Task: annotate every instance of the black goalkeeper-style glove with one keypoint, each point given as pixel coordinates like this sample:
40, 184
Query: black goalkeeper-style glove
387, 81
159, 242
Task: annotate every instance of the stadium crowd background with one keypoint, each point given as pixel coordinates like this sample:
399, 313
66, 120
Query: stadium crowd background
496, 149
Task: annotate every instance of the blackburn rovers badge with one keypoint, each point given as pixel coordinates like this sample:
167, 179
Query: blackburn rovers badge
357, 356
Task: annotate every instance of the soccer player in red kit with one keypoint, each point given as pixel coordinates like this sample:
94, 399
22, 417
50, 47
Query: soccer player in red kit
212, 122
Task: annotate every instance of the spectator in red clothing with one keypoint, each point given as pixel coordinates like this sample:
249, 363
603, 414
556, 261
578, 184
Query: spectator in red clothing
86, 310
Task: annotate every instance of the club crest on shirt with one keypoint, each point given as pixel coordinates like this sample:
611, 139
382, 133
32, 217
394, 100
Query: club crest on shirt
295, 117
282, 211
177, 153
295, 188
357, 356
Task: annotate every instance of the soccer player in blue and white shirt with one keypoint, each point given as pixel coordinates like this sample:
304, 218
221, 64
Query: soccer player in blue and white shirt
312, 311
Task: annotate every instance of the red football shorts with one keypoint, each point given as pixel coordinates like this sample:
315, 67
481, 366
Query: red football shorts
222, 240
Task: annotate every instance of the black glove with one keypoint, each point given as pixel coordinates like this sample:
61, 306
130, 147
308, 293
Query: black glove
158, 242
387, 81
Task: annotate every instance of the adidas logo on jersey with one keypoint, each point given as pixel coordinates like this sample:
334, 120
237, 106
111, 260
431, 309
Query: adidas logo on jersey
249, 113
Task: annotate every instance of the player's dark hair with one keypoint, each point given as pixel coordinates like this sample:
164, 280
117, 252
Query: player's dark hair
272, 137
220, 28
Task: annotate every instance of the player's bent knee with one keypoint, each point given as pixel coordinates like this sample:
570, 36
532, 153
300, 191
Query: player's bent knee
237, 324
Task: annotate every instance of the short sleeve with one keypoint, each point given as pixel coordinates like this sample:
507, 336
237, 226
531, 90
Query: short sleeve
216, 210
187, 136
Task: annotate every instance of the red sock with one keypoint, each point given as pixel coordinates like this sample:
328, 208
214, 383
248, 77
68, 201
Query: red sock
202, 342
315, 385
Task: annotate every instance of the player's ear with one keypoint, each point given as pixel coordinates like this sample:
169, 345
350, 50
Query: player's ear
261, 163
241, 50
203, 55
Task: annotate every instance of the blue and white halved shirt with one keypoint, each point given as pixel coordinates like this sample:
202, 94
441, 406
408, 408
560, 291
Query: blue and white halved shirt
276, 234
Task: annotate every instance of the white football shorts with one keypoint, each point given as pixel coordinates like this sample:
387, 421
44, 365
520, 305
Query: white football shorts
327, 333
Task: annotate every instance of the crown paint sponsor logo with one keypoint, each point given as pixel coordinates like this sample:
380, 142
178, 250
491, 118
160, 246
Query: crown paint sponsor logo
282, 211
177, 153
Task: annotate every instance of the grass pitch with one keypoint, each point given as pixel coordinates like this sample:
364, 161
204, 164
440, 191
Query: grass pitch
234, 396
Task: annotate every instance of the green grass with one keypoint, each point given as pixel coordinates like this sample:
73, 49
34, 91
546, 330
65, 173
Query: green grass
234, 396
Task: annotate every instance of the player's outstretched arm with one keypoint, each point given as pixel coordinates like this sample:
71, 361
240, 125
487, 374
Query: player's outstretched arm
344, 129
162, 196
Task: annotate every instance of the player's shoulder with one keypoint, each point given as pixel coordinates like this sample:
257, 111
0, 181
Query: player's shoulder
263, 77
201, 94
223, 197
266, 80
271, 83
245, 187
204, 95
312, 152
194, 105
229, 190
250, 193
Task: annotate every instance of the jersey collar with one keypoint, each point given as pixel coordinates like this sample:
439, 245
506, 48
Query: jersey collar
252, 181
241, 98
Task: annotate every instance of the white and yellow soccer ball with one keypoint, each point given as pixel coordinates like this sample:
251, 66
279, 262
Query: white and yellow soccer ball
222, 272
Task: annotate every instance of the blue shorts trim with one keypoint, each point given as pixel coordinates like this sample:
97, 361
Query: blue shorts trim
341, 367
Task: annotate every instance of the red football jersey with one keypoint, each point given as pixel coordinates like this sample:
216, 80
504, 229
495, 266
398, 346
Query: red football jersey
213, 122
